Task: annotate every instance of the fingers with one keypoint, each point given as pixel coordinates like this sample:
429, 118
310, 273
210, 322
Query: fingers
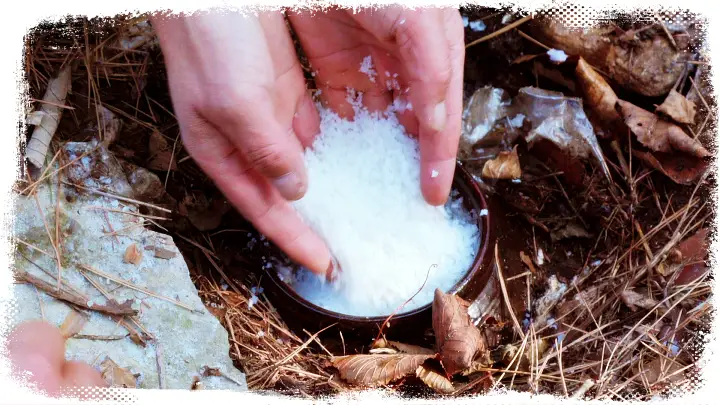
37, 350
438, 151
79, 374
254, 196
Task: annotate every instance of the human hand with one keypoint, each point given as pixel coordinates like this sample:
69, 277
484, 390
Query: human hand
37, 350
245, 117
424, 48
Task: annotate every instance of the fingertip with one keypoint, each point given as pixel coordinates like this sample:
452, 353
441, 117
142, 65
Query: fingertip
39, 338
436, 181
78, 374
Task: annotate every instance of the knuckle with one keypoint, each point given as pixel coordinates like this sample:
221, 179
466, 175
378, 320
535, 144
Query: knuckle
267, 158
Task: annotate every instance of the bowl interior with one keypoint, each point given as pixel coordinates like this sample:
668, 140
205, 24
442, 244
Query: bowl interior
473, 201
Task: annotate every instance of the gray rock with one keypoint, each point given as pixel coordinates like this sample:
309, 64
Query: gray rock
186, 340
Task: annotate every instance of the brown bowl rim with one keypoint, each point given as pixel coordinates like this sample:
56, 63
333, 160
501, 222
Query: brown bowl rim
461, 174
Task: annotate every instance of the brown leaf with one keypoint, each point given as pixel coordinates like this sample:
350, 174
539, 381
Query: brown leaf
434, 380
657, 134
161, 154
117, 376
598, 94
399, 347
571, 230
377, 369
505, 166
162, 253
680, 168
678, 108
73, 324
457, 339
511, 357
695, 248
133, 255
633, 300
661, 370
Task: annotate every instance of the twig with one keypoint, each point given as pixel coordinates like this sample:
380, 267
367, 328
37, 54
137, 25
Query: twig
54, 96
669, 35
62, 295
505, 293
427, 275
501, 31
117, 197
583, 389
533, 40
101, 338
159, 359
132, 286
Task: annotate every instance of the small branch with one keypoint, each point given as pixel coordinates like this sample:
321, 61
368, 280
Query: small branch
55, 95
114, 308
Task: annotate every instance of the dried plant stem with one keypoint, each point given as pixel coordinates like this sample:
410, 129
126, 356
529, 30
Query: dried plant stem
55, 96
66, 296
501, 31
518, 329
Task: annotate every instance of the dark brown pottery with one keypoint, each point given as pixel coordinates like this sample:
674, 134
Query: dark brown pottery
301, 314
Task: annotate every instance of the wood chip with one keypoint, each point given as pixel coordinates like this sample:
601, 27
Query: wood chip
162, 253
133, 255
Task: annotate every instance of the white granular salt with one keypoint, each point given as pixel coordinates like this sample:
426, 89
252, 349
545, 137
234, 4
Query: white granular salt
557, 55
368, 68
364, 200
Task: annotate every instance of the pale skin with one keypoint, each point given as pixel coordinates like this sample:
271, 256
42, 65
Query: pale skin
246, 116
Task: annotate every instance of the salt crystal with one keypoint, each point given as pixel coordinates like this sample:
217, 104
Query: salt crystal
516, 181
90, 304
506, 18
540, 257
224, 286
477, 26
256, 290
434, 174
557, 55
368, 68
409, 106
384, 235
483, 212
402, 21
465, 21
596, 263
260, 334
252, 301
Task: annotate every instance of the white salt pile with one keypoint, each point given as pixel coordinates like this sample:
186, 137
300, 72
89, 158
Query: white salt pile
364, 200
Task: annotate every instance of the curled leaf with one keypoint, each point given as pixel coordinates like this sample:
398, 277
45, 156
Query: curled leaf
161, 153
680, 168
678, 108
695, 247
399, 347
505, 166
598, 95
434, 380
657, 134
634, 300
73, 324
117, 376
377, 369
457, 339
133, 255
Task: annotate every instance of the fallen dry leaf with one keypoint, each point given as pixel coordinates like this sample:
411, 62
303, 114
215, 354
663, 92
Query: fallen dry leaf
695, 248
146, 185
512, 359
399, 347
73, 324
657, 134
678, 108
434, 380
661, 370
458, 341
506, 166
680, 168
161, 153
133, 255
377, 369
649, 65
633, 300
571, 230
598, 95
117, 376
162, 253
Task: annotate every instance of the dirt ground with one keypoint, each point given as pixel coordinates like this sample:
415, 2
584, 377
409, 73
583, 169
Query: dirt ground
631, 245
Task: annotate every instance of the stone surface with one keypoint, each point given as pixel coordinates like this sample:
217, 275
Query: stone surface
186, 340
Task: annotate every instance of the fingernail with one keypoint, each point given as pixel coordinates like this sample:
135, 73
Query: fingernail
331, 273
439, 116
290, 186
